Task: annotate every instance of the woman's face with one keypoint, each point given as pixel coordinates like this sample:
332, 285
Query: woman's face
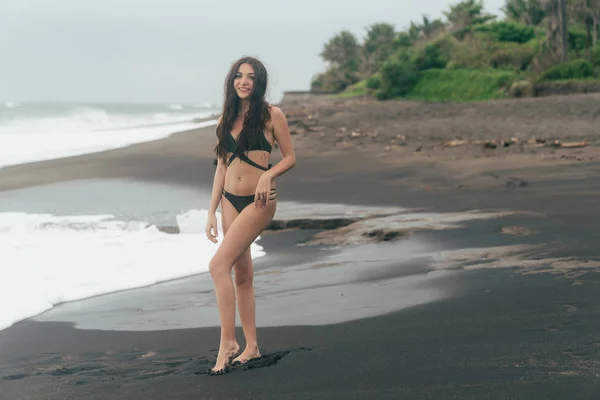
244, 81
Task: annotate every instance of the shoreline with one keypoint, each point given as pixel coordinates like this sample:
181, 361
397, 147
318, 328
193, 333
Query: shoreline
287, 277
517, 265
122, 162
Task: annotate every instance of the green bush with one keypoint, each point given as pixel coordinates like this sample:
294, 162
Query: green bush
507, 31
470, 55
521, 89
576, 69
362, 88
355, 90
317, 82
333, 80
512, 56
398, 77
462, 85
596, 56
577, 39
402, 40
430, 57
374, 82
447, 45
553, 88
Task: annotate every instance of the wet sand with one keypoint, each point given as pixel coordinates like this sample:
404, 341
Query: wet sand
516, 317
529, 338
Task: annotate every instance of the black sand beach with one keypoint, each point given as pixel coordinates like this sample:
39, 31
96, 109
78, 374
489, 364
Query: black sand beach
518, 319
534, 337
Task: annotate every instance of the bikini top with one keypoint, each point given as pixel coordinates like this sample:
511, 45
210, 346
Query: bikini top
262, 144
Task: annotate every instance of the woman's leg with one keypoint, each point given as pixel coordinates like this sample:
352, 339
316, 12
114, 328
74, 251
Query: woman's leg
242, 231
228, 344
244, 276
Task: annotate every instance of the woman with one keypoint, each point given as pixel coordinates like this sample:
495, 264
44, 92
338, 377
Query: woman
244, 184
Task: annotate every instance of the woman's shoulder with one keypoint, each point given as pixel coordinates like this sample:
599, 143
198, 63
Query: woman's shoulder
275, 111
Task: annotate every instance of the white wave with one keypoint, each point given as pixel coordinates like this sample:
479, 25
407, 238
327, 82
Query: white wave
47, 259
42, 131
10, 104
90, 119
19, 148
203, 105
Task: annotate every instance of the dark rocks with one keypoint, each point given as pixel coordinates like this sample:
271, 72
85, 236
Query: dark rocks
381, 235
307, 223
514, 183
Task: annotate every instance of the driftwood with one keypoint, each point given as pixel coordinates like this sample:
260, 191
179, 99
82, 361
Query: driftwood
517, 231
569, 145
453, 143
536, 141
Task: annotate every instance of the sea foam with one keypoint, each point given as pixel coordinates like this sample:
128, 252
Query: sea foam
48, 259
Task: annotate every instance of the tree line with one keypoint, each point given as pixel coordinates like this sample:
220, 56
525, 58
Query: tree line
533, 37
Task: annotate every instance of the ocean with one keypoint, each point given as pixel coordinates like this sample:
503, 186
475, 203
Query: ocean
41, 131
73, 240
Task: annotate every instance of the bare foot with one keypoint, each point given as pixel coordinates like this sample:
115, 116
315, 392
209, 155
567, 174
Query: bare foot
250, 353
226, 352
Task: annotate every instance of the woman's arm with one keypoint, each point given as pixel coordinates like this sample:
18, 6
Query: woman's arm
218, 182
281, 132
218, 185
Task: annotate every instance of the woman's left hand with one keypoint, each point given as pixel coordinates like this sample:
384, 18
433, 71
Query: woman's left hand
263, 188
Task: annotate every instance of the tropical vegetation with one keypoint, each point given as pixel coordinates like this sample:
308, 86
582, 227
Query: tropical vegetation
538, 47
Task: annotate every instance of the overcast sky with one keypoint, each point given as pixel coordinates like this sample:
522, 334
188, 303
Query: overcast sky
176, 50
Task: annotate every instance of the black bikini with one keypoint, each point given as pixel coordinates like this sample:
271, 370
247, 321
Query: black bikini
241, 202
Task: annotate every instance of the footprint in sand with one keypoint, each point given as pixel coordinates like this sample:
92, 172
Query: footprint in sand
575, 353
266, 360
570, 307
15, 377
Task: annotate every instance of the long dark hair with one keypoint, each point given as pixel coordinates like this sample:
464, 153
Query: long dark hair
258, 113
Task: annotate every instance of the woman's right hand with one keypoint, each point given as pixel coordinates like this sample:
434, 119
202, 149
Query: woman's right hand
211, 228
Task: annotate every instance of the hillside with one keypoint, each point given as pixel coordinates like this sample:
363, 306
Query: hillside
470, 55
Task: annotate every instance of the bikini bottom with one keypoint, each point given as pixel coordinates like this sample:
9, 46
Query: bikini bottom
241, 202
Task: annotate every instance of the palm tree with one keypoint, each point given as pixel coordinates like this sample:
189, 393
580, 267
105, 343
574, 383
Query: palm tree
587, 11
431, 28
528, 12
378, 45
466, 13
557, 27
